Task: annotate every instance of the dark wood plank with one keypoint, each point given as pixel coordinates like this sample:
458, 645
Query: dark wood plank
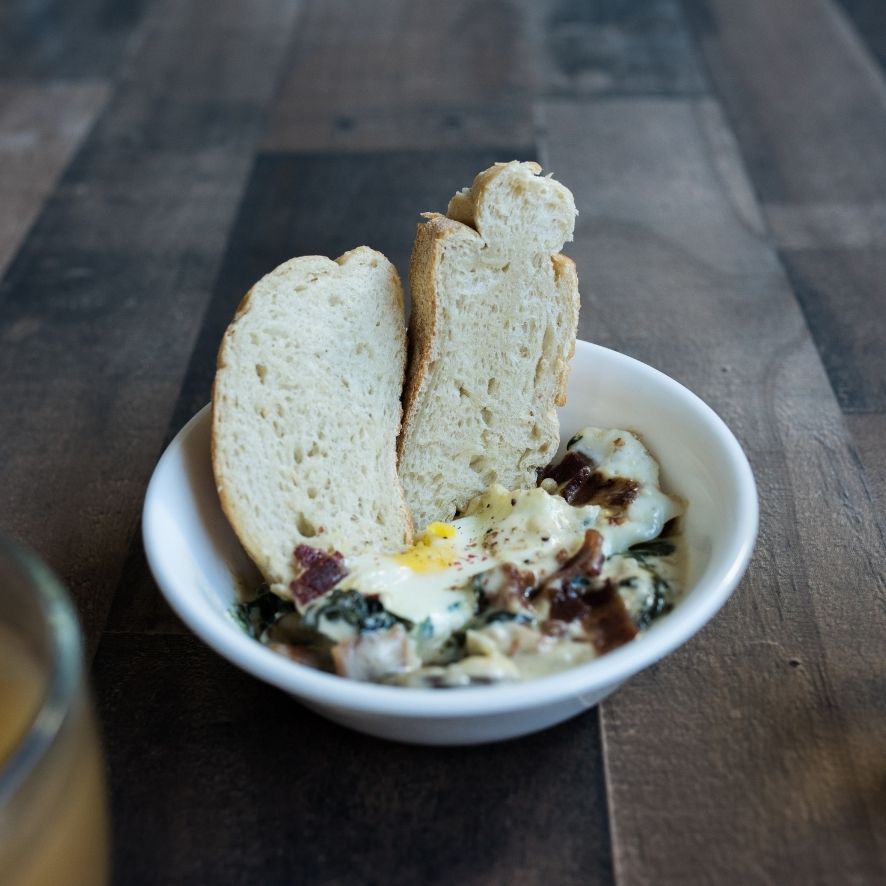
405, 74
613, 47
41, 127
869, 432
100, 309
843, 296
754, 754
807, 103
218, 778
138, 605
868, 20
803, 96
58, 39
827, 225
305, 204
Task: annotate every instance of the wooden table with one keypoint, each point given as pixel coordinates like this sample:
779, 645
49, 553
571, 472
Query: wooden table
729, 163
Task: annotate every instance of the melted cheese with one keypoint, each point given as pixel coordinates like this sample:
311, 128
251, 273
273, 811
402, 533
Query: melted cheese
621, 454
432, 579
430, 584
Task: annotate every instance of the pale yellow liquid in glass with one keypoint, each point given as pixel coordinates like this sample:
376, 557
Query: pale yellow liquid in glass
21, 689
55, 830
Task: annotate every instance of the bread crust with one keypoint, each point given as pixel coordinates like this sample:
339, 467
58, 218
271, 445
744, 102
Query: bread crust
432, 237
566, 275
248, 531
423, 265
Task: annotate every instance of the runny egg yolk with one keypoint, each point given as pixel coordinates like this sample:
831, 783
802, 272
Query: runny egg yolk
432, 552
440, 530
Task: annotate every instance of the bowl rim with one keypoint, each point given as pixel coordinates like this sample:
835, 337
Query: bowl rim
330, 690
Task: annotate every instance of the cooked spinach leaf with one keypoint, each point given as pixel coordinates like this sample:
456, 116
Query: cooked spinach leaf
351, 607
255, 616
657, 603
481, 601
658, 548
501, 615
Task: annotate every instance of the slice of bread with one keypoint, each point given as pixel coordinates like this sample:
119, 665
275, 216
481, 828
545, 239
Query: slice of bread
306, 410
494, 317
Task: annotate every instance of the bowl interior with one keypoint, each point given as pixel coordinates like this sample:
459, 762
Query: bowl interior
699, 458
199, 564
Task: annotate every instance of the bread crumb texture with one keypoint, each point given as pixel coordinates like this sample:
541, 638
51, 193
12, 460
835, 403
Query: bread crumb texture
495, 312
306, 410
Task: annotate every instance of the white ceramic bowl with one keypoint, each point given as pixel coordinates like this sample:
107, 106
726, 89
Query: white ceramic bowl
194, 556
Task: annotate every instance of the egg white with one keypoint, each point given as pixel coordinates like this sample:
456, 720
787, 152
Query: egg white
430, 584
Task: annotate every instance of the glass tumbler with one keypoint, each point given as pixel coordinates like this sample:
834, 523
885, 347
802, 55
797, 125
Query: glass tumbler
53, 804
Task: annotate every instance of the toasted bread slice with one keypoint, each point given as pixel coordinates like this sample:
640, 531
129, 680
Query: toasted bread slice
306, 410
494, 317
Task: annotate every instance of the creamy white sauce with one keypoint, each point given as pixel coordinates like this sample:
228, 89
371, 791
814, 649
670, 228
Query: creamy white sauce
431, 585
621, 454
636, 580
527, 527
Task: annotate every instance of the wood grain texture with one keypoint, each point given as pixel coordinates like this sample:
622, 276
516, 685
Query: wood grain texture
868, 20
808, 103
55, 39
218, 778
843, 296
138, 605
304, 204
100, 308
41, 127
869, 432
827, 225
803, 96
754, 754
613, 47
405, 74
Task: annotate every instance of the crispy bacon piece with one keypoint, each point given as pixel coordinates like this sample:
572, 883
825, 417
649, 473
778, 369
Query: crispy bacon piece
575, 596
580, 484
587, 561
320, 573
614, 493
519, 584
568, 466
506, 587
573, 488
602, 612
